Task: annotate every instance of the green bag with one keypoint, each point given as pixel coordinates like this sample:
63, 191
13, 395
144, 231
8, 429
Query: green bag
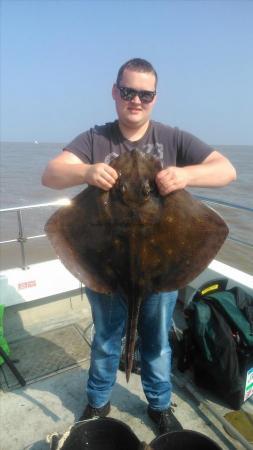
3, 343
220, 341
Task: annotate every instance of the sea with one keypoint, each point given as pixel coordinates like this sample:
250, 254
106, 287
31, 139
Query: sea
22, 164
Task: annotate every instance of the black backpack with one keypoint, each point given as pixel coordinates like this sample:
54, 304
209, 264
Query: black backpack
218, 341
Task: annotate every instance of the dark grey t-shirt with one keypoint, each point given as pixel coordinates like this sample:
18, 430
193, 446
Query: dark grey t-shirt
172, 146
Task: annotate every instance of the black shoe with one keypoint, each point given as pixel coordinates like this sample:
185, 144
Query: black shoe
90, 412
165, 420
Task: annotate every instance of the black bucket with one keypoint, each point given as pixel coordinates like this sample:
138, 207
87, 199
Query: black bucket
184, 440
101, 434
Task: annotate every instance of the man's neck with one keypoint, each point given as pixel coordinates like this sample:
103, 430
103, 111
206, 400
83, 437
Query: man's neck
133, 134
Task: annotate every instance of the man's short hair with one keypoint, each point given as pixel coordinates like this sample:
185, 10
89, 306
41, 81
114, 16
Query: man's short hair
137, 65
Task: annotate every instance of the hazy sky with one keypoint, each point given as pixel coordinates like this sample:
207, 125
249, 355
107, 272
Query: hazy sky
59, 60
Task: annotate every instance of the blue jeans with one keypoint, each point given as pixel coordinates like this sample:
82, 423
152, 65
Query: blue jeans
109, 314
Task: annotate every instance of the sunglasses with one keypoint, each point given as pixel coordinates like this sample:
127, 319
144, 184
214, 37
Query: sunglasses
128, 94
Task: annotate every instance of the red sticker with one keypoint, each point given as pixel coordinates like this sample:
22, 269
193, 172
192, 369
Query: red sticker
27, 284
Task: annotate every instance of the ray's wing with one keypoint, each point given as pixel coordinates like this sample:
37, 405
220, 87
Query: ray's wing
81, 236
183, 243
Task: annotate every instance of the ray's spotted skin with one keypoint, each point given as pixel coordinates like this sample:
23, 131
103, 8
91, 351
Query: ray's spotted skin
133, 240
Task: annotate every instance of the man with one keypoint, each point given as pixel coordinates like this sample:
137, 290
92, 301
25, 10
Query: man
187, 161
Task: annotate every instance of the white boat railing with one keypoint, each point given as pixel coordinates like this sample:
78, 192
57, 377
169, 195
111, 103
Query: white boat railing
22, 239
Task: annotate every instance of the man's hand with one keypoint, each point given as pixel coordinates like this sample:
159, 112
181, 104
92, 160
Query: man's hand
101, 175
171, 179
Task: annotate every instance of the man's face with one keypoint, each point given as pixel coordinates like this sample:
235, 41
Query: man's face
134, 113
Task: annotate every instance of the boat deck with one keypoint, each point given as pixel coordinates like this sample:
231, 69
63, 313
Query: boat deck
52, 354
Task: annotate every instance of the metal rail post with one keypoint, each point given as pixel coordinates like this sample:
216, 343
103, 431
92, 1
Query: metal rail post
21, 239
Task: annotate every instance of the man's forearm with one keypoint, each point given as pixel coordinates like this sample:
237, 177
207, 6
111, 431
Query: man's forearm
58, 175
214, 173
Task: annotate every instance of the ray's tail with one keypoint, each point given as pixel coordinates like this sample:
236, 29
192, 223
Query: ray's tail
131, 334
